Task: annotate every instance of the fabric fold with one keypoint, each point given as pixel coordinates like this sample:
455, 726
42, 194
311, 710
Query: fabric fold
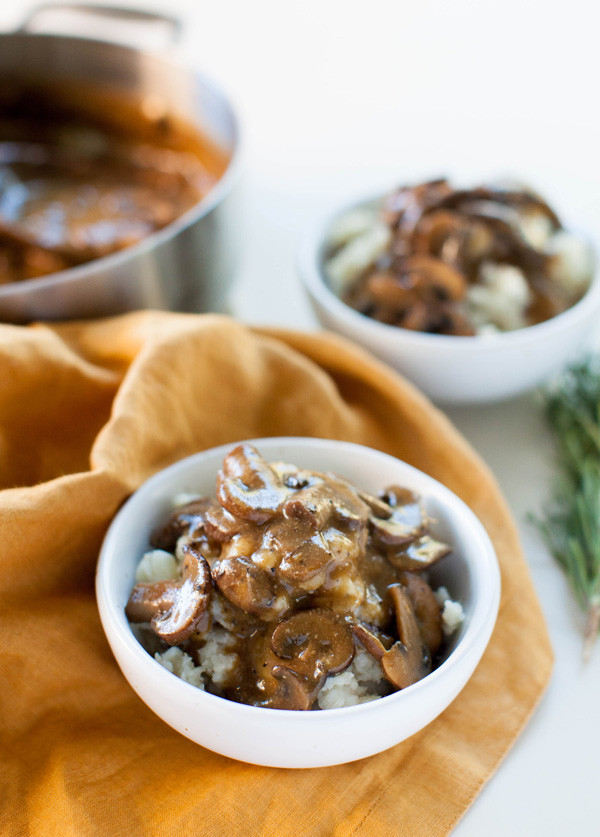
88, 411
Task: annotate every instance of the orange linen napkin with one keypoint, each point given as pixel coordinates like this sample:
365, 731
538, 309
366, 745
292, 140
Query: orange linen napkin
90, 410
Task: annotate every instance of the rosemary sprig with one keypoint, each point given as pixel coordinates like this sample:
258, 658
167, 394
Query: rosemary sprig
571, 526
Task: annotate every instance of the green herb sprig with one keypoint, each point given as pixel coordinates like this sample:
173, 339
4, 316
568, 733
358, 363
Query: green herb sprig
571, 526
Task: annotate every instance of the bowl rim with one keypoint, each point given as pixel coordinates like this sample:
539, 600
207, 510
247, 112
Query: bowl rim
211, 200
309, 267
480, 624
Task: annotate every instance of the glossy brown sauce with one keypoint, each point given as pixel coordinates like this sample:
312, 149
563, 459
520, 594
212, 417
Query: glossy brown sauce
85, 173
440, 238
304, 569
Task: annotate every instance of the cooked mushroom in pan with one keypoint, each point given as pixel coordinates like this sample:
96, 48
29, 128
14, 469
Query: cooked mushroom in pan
438, 259
84, 174
293, 589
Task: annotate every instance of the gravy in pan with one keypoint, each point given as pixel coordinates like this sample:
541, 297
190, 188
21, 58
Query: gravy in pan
84, 173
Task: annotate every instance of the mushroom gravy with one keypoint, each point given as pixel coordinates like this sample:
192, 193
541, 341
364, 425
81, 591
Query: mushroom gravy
438, 259
289, 582
85, 173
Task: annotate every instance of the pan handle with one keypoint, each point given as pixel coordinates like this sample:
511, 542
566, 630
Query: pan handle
120, 13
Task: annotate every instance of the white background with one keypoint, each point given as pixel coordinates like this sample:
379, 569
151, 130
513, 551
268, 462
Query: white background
339, 99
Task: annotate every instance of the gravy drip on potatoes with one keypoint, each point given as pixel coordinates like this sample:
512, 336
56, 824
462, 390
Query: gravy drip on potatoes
305, 569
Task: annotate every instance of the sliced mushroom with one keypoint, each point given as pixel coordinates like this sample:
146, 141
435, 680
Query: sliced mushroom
293, 691
508, 246
274, 684
175, 609
369, 641
248, 488
378, 506
220, 525
418, 554
427, 610
293, 477
391, 290
292, 662
408, 660
249, 587
406, 520
433, 279
434, 229
416, 291
182, 521
517, 198
404, 207
331, 499
313, 643
232, 618
309, 559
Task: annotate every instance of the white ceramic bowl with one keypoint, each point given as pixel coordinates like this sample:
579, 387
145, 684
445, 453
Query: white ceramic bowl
450, 369
282, 738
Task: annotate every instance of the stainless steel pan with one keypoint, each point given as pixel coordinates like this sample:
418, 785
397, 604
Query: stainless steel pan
186, 266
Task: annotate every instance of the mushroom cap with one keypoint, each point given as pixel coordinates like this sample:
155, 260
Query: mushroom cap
328, 499
427, 610
433, 279
369, 641
247, 486
523, 199
248, 586
183, 520
418, 554
177, 608
440, 237
220, 525
407, 661
293, 691
313, 642
295, 659
405, 522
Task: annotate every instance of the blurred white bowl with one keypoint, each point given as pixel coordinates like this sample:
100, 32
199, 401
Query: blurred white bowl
451, 369
283, 738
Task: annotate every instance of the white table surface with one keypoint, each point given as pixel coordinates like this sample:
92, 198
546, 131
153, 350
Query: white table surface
344, 98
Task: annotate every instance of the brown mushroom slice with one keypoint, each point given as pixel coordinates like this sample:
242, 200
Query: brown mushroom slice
418, 554
404, 207
233, 618
293, 691
387, 288
249, 587
220, 525
434, 229
427, 610
293, 477
293, 661
182, 520
313, 643
330, 499
434, 278
175, 609
508, 246
408, 660
523, 199
378, 506
308, 560
248, 488
405, 522
371, 643
269, 681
